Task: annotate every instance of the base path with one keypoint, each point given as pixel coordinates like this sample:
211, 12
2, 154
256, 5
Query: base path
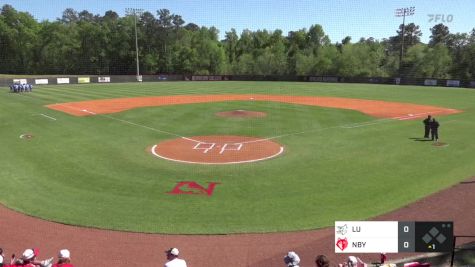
375, 108
217, 149
93, 247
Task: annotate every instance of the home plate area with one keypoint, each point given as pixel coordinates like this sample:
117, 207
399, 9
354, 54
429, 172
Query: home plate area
217, 149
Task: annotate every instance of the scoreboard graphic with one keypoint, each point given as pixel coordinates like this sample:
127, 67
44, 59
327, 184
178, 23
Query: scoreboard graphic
393, 236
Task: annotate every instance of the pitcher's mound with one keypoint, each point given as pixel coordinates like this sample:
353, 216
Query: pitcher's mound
241, 114
217, 149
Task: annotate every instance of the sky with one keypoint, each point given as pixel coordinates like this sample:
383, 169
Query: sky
339, 18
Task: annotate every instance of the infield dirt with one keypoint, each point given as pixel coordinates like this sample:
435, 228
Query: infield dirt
375, 108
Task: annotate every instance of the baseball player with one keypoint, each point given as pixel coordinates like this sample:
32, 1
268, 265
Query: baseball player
173, 260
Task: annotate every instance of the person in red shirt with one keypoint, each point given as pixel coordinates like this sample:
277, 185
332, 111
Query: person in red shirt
64, 259
27, 259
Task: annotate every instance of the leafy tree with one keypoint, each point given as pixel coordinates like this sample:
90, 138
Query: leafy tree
110, 16
86, 16
69, 16
19, 32
245, 65
84, 43
192, 27
412, 36
230, 45
361, 59
346, 40
431, 62
440, 34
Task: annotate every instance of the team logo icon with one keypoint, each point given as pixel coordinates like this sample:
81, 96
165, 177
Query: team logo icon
342, 243
341, 230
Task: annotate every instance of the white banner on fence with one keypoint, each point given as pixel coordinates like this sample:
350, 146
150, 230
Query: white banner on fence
454, 83
20, 81
430, 82
104, 79
41, 81
62, 80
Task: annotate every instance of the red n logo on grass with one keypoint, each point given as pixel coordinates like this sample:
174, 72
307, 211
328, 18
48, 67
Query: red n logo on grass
193, 188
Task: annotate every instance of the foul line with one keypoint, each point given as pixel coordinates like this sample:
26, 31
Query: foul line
128, 122
46, 116
345, 126
215, 163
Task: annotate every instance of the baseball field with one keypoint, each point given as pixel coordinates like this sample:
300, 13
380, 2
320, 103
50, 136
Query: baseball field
228, 157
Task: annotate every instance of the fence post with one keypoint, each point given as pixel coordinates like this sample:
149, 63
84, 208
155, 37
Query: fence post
453, 252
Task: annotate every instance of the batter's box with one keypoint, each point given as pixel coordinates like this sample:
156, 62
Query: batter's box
235, 147
204, 146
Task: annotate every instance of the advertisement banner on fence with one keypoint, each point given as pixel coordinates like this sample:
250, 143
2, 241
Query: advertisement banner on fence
41, 81
104, 79
84, 80
430, 82
215, 78
453, 83
20, 81
199, 78
472, 84
62, 80
323, 79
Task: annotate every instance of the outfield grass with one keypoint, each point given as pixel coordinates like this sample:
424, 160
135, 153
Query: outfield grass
95, 171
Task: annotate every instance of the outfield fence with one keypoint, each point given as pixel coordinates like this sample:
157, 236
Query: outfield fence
84, 79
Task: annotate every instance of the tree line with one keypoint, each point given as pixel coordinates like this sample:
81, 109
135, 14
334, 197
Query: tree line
84, 43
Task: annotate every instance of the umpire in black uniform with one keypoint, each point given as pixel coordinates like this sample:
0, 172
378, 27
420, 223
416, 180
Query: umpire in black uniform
434, 129
427, 122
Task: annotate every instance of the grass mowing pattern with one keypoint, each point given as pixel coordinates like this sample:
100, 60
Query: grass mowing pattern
95, 171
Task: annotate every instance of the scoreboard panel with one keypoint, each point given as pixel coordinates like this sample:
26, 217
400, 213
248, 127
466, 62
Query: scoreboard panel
393, 236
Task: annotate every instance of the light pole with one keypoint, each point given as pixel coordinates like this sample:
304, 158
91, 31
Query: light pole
403, 12
135, 12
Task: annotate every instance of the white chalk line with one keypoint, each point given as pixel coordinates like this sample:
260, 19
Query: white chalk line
206, 149
239, 146
127, 122
281, 150
87, 111
345, 126
46, 116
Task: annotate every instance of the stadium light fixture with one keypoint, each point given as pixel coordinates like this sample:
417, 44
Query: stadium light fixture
403, 12
134, 12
